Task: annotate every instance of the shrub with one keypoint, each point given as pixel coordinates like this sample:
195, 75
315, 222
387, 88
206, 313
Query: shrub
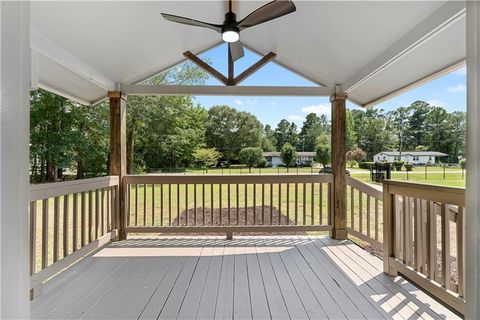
263, 163
288, 155
323, 154
398, 165
251, 157
366, 165
408, 166
463, 163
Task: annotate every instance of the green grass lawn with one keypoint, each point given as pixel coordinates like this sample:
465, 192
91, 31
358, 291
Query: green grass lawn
452, 179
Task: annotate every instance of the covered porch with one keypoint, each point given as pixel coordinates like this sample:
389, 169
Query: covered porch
77, 249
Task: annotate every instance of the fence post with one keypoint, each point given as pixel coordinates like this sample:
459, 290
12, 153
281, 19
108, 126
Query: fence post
425, 172
388, 230
444, 167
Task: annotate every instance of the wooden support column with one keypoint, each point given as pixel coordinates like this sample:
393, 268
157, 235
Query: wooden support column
339, 165
472, 214
118, 152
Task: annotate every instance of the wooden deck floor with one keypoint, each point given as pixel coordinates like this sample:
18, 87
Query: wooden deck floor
249, 277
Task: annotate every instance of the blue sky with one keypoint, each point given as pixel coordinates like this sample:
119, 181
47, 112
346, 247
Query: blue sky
448, 91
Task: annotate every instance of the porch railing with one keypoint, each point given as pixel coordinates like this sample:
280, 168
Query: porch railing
424, 237
68, 220
364, 212
226, 204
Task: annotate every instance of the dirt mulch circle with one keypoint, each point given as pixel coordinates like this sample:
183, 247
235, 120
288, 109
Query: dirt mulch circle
252, 216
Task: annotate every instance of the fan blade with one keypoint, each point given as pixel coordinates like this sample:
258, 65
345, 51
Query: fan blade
236, 50
270, 11
192, 22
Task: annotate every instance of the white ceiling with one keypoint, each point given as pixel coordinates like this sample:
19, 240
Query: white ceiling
328, 42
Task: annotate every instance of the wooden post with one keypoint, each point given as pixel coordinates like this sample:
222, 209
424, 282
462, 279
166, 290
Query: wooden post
388, 229
339, 165
118, 153
472, 214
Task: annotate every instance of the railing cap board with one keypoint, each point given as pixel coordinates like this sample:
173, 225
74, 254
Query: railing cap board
57, 189
228, 179
442, 194
365, 188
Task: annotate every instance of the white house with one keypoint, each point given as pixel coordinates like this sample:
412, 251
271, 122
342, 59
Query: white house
413, 157
275, 159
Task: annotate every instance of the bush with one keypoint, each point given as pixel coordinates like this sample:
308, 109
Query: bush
408, 166
398, 165
263, 163
366, 165
463, 163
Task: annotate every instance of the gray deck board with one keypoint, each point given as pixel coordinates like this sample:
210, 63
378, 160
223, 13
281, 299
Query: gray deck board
248, 277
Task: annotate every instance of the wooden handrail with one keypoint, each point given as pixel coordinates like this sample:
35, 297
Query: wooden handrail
226, 179
57, 189
416, 218
87, 213
228, 203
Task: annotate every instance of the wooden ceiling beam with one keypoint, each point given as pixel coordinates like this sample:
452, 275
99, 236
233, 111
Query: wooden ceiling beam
212, 71
254, 68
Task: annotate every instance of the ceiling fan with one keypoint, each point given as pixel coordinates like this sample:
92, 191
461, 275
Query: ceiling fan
230, 29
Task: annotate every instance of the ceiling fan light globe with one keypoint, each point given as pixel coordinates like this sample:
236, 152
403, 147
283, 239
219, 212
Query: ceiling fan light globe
230, 36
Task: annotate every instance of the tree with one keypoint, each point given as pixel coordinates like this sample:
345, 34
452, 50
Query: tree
288, 154
207, 157
286, 132
459, 129
417, 133
251, 157
269, 142
400, 119
65, 134
323, 154
439, 135
374, 133
229, 131
350, 134
354, 156
173, 130
312, 127
140, 111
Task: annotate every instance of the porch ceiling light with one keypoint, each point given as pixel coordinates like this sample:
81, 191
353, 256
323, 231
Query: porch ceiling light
230, 35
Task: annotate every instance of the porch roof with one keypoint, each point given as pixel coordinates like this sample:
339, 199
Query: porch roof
374, 50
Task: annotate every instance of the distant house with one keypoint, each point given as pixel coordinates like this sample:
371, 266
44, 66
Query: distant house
303, 158
413, 157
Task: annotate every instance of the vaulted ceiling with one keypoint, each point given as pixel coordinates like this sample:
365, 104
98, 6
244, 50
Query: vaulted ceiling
372, 49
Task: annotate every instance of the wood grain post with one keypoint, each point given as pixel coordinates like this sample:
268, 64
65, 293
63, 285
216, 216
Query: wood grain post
339, 165
388, 230
118, 153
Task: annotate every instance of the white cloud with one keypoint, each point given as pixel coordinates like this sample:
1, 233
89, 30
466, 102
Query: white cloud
295, 117
437, 103
318, 109
245, 102
458, 88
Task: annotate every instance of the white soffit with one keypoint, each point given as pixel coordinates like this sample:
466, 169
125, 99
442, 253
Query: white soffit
328, 42
55, 78
425, 63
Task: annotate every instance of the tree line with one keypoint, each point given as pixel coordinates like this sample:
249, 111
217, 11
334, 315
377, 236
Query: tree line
172, 132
